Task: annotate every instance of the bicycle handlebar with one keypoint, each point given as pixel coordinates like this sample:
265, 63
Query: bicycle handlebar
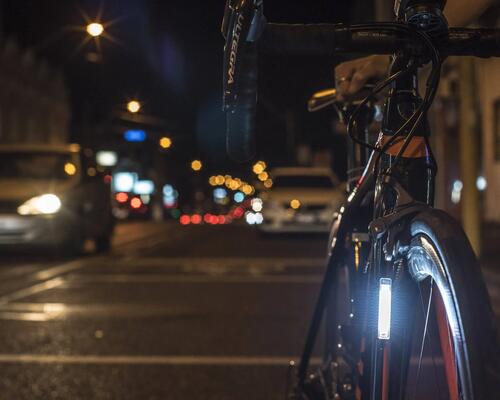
327, 39
247, 33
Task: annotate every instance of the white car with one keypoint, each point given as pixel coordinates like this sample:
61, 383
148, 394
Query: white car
301, 200
51, 195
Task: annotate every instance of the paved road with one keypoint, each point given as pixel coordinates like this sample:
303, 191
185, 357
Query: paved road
203, 312
172, 313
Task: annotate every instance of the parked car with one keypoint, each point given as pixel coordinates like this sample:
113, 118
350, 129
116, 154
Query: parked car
301, 200
53, 196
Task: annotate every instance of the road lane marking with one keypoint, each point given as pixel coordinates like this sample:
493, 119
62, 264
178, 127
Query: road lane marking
65, 268
77, 280
28, 317
41, 312
223, 361
29, 291
50, 277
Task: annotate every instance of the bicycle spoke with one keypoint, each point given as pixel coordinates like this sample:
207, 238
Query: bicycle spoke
426, 309
447, 349
422, 345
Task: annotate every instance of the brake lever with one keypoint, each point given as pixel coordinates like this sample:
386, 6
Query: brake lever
322, 99
328, 97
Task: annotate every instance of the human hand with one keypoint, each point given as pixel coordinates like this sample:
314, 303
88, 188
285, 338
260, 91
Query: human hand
352, 76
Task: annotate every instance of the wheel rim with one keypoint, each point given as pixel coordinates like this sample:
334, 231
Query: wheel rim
436, 296
441, 335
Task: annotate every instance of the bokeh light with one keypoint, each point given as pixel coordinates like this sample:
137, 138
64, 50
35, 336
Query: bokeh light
259, 167
196, 165
247, 189
263, 176
219, 180
121, 197
239, 197
165, 142
95, 29
135, 203
257, 204
295, 204
250, 218
133, 106
196, 219
70, 169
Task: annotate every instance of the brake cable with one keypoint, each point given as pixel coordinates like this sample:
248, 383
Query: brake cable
430, 92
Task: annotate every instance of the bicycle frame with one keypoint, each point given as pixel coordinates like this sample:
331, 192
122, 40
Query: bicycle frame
413, 186
396, 185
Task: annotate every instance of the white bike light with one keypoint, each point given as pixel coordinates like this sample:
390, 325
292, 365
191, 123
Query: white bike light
384, 309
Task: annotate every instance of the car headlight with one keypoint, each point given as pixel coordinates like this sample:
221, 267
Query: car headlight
44, 204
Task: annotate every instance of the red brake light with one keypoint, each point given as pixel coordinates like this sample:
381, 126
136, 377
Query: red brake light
121, 197
136, 203
196, 219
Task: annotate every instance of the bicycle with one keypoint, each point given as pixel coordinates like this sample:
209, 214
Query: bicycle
403, 299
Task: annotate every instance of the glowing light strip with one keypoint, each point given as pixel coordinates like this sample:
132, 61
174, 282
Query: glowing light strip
384, 309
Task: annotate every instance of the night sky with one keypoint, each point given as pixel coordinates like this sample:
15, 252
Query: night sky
169, 54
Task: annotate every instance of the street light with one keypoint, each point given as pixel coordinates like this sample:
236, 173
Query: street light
95, 29
196, 165
133, 106
165, 142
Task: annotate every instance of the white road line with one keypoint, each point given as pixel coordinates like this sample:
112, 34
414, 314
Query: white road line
41, 312
29, 317
77, 280
29, 291
230, 361
65, 268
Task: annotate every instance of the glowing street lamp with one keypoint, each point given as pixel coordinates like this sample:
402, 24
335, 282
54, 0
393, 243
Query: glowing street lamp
133, 106
95, 29
196, 165
165, 142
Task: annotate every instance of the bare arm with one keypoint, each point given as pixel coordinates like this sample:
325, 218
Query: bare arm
351, 76
463, 12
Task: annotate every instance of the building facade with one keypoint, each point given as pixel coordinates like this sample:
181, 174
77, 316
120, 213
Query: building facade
34, 106
489, 88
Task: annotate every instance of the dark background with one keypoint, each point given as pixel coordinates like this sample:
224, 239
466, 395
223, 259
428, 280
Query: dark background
169, 55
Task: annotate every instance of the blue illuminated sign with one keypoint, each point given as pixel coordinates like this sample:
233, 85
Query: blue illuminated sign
135, 135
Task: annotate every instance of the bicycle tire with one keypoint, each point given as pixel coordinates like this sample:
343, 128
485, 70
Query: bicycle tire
440, 252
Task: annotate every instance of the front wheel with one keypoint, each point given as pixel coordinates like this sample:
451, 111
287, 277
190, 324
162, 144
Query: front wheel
444, 343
